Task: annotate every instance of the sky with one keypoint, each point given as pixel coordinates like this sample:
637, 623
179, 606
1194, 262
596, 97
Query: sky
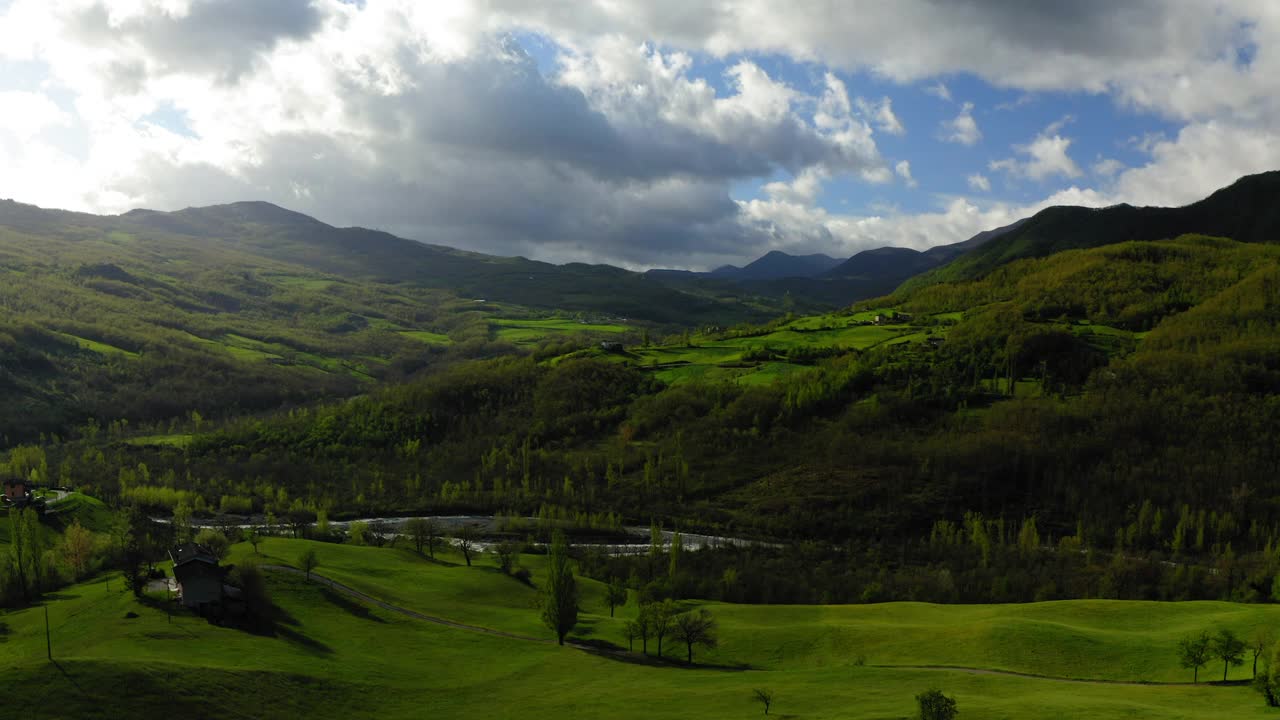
640, 133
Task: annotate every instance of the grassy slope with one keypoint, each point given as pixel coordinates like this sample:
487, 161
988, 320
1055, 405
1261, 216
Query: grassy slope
713, 356
333, 658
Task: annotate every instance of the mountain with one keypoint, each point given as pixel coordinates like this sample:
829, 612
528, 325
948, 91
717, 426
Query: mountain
777, 264
1248, 211
270, 232
874, 272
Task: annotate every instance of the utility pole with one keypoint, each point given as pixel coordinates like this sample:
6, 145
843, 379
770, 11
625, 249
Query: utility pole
48, 642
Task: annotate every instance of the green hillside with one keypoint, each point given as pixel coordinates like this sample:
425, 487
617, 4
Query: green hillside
331, 655
1246, 211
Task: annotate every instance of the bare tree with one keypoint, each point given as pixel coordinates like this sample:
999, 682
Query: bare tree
466, 537
416, 529
695, 629
764, 697
1262, 638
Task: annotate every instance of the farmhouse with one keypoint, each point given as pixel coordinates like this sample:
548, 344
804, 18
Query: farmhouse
16, 491
609, 346
198, 576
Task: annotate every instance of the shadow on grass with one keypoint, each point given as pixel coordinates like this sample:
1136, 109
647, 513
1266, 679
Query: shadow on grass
71, 679
351, 606
4, 632
613, 651
281, 624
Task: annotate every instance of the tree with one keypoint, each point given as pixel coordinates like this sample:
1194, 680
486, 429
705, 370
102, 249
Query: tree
358, 533
696, 629
77, 546
133, 549
1259, 642
253, 588
466, 537
420, 532
253, 537
1193, 653
660, 616
560, 596
936, 706
1228, 648
616, 594
632, 631
308, 561
764, 697
215, 542
639, 628
182, 522
1268, 682
508, 555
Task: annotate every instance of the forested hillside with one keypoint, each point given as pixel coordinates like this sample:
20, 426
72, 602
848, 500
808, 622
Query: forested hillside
1246, 211
151, 317
1120, 399
969, 440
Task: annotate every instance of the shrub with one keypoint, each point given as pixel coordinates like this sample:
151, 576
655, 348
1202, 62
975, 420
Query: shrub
936, 706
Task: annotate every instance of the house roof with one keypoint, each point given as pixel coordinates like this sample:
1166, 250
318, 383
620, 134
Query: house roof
191, 552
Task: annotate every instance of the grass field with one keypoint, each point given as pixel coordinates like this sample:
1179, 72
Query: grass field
528, 331
716, 357
333, 657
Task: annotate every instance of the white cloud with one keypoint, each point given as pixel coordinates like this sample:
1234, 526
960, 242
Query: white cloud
939, 90
25, 114
882, 113
429, 119
903, 170
1107, 167
1046, 156
962, 128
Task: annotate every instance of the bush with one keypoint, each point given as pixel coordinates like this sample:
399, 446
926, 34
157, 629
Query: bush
524, 575
936, 706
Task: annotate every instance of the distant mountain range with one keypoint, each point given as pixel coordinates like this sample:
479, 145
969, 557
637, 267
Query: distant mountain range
824, 280
1248, 210
259, 229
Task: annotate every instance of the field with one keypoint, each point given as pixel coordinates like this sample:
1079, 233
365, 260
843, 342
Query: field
764, 356
530, 331
331, 656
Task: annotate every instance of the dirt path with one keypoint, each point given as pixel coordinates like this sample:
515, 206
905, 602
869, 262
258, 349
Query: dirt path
1052, 678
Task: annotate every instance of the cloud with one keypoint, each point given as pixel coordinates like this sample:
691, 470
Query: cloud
903, 170
939, 90
962, 129
1046, 156
882, 113
1107, 167
430, 119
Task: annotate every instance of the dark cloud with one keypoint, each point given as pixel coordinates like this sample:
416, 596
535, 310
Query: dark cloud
220, 37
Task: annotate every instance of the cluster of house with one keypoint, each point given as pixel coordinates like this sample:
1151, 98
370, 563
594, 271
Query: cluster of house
19, 493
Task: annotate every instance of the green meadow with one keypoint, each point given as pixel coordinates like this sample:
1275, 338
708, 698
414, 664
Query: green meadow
332, 656
533, 330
